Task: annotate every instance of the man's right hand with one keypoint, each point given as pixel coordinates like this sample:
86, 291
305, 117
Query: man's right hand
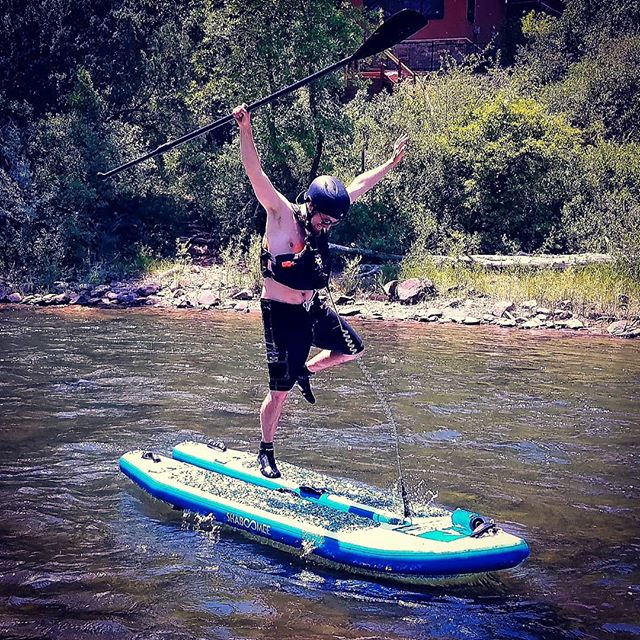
242, 116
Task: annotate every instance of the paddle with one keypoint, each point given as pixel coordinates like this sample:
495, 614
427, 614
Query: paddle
398, 27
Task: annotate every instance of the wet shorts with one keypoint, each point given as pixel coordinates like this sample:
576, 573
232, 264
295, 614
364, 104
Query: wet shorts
290, 330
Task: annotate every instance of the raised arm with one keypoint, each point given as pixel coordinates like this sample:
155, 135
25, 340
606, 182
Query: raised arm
268, 196
369, 179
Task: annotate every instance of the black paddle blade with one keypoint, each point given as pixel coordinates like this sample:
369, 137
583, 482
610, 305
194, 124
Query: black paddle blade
398, 27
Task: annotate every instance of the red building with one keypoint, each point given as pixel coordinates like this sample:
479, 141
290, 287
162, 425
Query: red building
456, 28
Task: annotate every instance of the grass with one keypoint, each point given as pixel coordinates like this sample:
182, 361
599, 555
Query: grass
598, 289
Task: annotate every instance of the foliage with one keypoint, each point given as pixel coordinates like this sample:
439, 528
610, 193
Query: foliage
540, 156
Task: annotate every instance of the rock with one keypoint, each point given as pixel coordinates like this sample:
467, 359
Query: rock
112, 295
574, 323
47, 299
14, 297
207, 299
543, 311
206, 285
149, 289
129, 298
351, 311
433, 312
455, 316
506, 322
471, 320
562, 314
634, 333
488, 317
178, 293
61, 298
93, 301
32, 299
534, 323
182, 303
195, 269
521, 320
241, 306
243, 294
100, 291
529, 304
502, 307
549, 324
454, 302
344, 300
78, 298
618, 328
391, 289
415, 289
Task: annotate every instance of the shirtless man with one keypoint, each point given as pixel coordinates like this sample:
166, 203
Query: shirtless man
295, 264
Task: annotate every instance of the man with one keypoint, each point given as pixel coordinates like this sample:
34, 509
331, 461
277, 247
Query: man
296, 264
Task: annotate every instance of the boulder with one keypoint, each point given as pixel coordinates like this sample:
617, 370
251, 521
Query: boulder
149, 289
391, 289
502, 307
533, 323
243, 294
61, 298
574, 323
415, 289
488, 317
506, 322
100, 291
242, 307
529, 304
471, 320
14, 297
350, 311
454, 316
207, 299
618, 328
78, 298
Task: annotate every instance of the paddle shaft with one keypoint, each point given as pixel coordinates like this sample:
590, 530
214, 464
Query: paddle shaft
393, 31
163, 148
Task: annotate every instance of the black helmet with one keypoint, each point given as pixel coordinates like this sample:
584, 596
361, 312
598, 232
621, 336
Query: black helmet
329, 196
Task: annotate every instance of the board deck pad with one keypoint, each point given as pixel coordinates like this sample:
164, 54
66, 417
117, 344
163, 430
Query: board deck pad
345, 495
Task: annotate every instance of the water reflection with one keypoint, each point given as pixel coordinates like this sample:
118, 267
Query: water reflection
538, 432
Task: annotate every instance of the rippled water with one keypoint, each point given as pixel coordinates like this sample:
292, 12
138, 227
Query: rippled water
539, 431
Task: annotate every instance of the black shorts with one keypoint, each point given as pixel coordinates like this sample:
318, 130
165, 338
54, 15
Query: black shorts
290, 330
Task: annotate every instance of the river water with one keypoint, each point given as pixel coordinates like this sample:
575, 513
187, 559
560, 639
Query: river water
539, 431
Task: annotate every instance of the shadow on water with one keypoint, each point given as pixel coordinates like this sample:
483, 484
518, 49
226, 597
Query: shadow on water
538, 432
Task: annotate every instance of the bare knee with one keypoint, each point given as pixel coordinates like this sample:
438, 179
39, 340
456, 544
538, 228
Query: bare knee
276, 397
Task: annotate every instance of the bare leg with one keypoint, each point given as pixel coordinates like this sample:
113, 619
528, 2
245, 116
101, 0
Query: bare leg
326, 359
270, 413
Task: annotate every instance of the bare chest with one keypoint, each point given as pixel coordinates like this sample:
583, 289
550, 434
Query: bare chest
284, 236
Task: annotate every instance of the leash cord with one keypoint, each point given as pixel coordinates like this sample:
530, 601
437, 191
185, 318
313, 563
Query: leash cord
382, 400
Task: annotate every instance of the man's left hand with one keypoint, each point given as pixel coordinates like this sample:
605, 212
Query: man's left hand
399, 147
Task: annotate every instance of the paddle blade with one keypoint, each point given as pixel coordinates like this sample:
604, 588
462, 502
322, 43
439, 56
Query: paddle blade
398, 27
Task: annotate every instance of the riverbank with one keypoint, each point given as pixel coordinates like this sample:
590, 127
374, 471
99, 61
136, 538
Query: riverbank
185, 286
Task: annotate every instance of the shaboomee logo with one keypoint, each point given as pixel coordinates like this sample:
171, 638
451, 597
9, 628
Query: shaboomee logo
248, 523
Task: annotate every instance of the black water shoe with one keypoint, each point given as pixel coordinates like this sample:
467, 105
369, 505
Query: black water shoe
304, 384
267, 461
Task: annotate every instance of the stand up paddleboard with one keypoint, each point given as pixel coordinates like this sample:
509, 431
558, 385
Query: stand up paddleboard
309, 514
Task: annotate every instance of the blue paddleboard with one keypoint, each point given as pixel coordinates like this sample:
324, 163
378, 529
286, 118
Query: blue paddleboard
319, 520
